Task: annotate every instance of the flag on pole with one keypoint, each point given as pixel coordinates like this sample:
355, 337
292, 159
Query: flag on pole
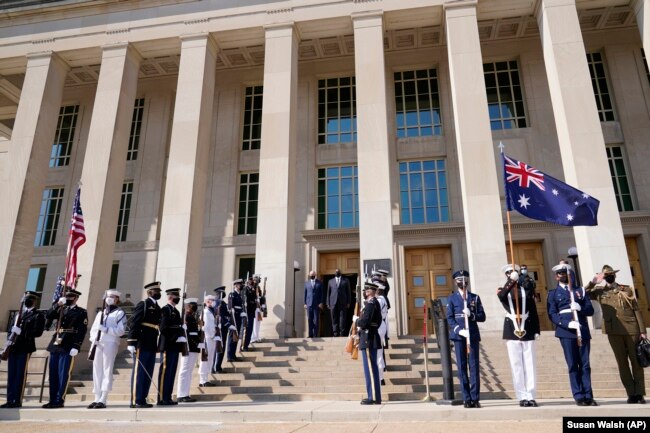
539, 196
58, 292
76, 238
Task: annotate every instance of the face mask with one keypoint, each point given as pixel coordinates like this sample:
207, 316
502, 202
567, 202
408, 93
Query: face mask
29, 303
610, 279
176, 300
524, 272
313, 277
338, 274
155, 296
564, 279
110, 301
460, 285
69, 302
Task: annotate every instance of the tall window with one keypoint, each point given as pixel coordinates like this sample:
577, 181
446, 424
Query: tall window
504, 95
136, 126
125, 210
417, 103
64, 136
48, 217
252, 118
617, 168
423, 192
36, 280
338, 197
337, 116
247, 215
601, 87
246, 265
115, 270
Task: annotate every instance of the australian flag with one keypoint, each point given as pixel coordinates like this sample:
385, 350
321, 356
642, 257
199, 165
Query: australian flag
539, 196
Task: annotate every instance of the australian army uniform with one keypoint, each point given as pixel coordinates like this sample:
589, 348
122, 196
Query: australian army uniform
171, 342
470, 386
31, 327
369, 344
143, 338
65, 345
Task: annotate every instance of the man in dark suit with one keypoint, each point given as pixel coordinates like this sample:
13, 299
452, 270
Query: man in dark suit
338, 301
314, 302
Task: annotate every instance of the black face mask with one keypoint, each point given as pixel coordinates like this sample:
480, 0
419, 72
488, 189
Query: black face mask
460, 285
313, 277
29, 303
337, 274
69, 302
155, 296
610, 279
176, 300
564, 279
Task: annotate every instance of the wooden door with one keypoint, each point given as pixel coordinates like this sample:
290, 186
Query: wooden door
637, 278
348, 263
530, 254
428, 276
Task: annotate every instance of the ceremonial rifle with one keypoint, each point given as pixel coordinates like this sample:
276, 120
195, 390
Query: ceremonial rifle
204, 349
573, 312
6, 351
467, 340
93, 349
185, 350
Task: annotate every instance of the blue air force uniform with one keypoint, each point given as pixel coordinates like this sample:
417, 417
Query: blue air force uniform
31, 327
225, 322
143, 340
577, 357
369, 343
170, 344
236, 308
470, 385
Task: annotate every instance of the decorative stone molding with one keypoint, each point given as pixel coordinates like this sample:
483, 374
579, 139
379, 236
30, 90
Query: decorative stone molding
196, 21
118, 31
43, 41
279, 11
132, 246
320, 236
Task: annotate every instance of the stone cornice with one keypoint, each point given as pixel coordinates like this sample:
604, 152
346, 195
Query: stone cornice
319, 236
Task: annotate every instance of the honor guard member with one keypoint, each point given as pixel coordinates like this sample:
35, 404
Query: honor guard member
65, 344
189, 361
463, 308
370, 343
520, 330
209, 331
563, 304
382, 275
143, 344
383, 330
30, 327
623, 324
170, 344
110, 325
249, 301
224, 322
236, 309
525, 280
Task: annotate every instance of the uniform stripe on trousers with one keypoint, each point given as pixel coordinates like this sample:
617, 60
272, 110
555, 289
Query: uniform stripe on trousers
22, 390
372, 376
67, 382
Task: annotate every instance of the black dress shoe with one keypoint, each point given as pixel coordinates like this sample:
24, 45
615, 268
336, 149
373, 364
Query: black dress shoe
186, 399
383, 382
51, 405
92, 405
532, 403
590, 402
632, 399
206, 384
219, 370
581, 402
639, 399
377, 401
366, 401
467, 404
522, 403
167, 403
7, 405
476, 404
100, 405
141, 406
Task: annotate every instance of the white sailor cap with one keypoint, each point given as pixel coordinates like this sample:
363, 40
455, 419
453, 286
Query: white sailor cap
210, 298
508, 268
112, 292
192, 301
562, 268
237, 281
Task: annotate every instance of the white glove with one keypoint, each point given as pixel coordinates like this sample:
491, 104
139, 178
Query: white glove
103, 329
184, 327
201, 346
354, 319
232, 328
16, 330
131, 349
463, 333
575, 306
217, 338
537, 336
73, 352
574, 324
243, 314
514, 275
61, 300
181, 340
467, 312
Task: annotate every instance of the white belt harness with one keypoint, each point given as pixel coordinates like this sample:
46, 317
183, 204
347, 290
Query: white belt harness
519, 327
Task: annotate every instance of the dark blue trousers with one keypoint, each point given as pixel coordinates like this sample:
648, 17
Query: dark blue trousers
16, 376
61, 364
470, 385
371, 373
224, 342
577, 361
249, 330
141, 375
232, 345
167, 375
313, 316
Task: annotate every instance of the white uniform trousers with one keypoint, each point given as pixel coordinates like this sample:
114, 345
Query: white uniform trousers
205, 367
522, 364
381, 362
103, 367
256, 327
185, 374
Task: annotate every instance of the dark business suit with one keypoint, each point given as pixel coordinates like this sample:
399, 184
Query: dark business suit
338, 300
314, 296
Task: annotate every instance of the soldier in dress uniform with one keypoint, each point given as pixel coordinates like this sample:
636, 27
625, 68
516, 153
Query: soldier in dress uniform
236, 309
30, 327
520, 330
112, 325
208, 318
225, 319
562, 303
65, 344
170, 344
383, 329
189, 361
249, 301
370, 343
382, 275
623, 324
143, 344
466, 306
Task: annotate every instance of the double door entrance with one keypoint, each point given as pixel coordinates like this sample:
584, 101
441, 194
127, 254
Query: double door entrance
348, 263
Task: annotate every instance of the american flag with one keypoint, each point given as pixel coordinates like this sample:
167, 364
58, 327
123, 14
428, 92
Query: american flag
58, 292
76, 238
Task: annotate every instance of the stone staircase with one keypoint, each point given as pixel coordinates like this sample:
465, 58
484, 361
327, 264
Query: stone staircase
319, 369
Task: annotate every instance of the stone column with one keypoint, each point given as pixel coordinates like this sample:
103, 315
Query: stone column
181, 235
22, 187
103, 169
374, 155
274, 249
642, 12
580, 136
486, 252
